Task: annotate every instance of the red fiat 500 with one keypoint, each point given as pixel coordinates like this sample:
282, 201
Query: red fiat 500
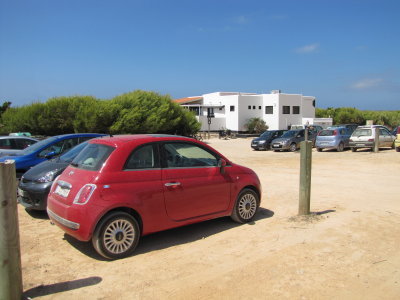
120, 188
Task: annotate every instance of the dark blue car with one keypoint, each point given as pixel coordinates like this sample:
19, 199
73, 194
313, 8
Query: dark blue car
46, 149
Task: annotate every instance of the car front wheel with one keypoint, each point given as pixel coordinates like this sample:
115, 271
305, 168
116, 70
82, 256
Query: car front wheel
293, 147
340, 147
116, 236
246, 206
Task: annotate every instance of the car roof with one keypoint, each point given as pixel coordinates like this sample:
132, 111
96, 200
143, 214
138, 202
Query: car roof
17, 137
115, 140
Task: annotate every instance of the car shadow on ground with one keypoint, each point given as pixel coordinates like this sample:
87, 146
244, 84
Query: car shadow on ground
37, 214
177, 236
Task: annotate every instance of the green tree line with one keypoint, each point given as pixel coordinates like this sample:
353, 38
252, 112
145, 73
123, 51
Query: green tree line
134, 112
347, 115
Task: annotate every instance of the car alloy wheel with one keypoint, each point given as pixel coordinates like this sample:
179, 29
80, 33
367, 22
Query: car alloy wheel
340, 147
246, 206
293, 147
116, 236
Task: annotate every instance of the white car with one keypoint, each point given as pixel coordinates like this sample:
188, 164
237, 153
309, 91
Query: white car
364, 137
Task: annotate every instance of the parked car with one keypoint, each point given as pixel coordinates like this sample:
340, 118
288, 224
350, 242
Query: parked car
334, 138
20, 134
397, 141
12, 144
310, 127
35, 184
350, 127
123, 187
364, 137
46, 149
263, 142
291, 139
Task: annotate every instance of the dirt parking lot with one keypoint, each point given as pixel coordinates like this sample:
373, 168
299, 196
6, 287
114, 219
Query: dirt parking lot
348, 249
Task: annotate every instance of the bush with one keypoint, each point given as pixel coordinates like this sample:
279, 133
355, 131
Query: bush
256, 125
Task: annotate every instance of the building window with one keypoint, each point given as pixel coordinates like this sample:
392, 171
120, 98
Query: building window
313, 103
286, 110
210, 112
254, 107
196, 110
269, 110
232, 108
249, 107
296, 110
259, 107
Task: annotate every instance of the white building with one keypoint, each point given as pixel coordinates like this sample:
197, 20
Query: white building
233, 110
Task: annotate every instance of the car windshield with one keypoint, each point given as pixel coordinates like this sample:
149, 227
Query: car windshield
71, 154
290, 133
92, 157
362, 132
266, 134
37, 146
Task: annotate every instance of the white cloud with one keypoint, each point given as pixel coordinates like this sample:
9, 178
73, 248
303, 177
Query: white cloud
308, 48
367, 83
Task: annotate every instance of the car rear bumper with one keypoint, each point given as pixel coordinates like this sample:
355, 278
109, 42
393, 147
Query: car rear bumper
361, 144
66, 223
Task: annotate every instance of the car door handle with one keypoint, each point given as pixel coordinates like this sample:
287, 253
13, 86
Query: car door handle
172, 184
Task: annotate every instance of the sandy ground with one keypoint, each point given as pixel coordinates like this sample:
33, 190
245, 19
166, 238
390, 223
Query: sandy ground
348, 249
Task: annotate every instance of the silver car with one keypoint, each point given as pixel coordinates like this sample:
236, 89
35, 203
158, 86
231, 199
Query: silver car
364, 137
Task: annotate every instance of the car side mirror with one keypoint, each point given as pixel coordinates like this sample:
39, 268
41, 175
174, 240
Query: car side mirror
50, 154
222, 165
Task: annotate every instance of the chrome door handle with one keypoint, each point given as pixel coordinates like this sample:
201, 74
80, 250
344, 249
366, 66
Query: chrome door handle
172, 184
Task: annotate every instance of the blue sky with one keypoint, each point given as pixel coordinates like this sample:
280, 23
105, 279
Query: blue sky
346, 53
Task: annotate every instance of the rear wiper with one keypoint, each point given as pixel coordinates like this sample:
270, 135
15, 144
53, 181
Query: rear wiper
74, 164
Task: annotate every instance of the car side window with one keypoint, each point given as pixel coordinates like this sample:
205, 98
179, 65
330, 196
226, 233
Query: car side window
186, 155
5, 144
142, 158
56, 148
382, 131
23, 143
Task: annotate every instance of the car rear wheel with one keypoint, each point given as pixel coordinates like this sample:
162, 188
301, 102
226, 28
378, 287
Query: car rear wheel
246, 206
340, 147
398, 149
293, 147
319, 149
116, 236
354, 149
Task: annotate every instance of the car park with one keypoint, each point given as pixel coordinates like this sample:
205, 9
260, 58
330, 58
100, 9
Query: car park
35, 184
333, 138
364, 137
263, 142
46, 149
123, 187
291, 139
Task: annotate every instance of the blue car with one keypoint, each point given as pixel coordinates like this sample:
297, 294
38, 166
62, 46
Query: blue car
46, 149
333, 138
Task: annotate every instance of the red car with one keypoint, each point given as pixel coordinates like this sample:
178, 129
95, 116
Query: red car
120, 188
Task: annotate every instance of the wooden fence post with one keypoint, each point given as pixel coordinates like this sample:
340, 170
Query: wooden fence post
305, 177
10, 253
376, 140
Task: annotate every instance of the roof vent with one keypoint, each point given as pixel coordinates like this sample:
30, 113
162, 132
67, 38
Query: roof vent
275, 91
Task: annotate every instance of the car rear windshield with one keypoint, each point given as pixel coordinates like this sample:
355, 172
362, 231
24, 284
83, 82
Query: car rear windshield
37, 146
362, 132
290, 133
327, 132
92, 157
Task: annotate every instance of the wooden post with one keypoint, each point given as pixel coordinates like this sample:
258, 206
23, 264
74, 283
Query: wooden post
305, 177
376, 142
10, 253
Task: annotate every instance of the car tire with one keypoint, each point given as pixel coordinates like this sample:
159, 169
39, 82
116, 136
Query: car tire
293, 147
340, 147
246, 206
319, 149
354, 149
398, 149
116, 235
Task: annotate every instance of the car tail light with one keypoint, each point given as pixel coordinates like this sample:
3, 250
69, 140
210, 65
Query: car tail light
398, 130
84, 194
371, 140
335, 132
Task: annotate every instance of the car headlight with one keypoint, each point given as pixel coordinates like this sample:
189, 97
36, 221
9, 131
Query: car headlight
49, 176
261, 142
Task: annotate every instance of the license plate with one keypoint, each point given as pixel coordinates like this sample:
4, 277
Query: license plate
63, 192
275, 146
360, 144
21, 192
